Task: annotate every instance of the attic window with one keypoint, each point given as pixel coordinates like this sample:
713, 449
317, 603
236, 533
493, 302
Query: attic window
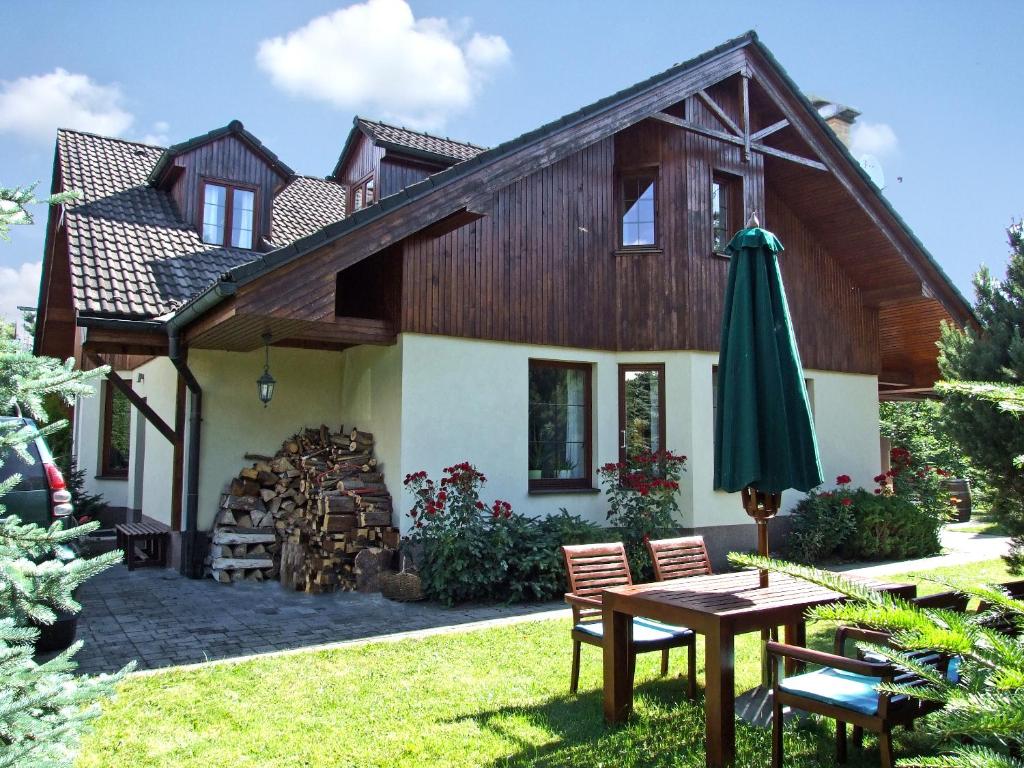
726, 204
362, 194
638, 207
228, 209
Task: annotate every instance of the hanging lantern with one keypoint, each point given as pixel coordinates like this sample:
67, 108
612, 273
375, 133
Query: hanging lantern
265, 383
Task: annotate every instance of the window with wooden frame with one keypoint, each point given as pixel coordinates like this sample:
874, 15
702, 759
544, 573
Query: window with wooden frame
560, 449
638, 206
115, 450
228, 214
641, 409
362, 194
726, 209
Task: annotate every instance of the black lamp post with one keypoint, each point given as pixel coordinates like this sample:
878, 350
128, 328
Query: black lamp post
265, 383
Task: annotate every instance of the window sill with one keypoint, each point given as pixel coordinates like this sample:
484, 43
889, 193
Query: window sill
721, 255
112, 477
637, 250
555, 491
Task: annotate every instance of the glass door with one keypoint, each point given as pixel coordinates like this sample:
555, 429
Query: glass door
641, 409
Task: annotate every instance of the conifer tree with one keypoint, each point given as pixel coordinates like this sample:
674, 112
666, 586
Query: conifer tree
991, 437
44, 707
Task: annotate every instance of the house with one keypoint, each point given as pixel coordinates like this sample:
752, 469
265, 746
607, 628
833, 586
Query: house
532, 307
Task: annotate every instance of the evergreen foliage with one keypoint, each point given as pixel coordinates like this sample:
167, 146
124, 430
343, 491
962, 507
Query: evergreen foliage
43, 706
991, 437
982, 719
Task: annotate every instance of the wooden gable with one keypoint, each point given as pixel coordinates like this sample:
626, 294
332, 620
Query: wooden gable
534, 258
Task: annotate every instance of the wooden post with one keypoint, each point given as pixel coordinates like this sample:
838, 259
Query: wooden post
745, 99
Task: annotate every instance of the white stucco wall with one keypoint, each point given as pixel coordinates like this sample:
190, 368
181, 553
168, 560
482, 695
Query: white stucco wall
308, 393
88, 444
372, 402
467, 400
153, 460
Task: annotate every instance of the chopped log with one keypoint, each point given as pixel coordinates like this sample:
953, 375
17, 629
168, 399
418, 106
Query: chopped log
249, 473
235, 563
338, 523
369, 517
244, 503
244, 536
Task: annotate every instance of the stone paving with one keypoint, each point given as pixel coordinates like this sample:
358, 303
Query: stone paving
161, 619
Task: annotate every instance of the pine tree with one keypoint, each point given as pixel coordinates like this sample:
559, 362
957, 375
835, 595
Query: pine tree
991, 437
44, 707
981, 722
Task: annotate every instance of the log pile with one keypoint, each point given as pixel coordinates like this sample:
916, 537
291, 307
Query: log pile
316, 515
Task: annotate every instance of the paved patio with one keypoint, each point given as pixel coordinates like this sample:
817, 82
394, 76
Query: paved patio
161, 619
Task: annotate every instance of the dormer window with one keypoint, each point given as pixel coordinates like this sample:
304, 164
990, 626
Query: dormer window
362, 194
228, 208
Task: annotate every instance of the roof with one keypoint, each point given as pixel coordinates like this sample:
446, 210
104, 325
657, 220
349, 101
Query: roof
304, 206
268, 262
235, 128
426, 146
131, 254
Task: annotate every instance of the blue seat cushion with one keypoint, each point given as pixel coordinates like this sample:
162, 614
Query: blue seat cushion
834, 686
645, 631
952, 671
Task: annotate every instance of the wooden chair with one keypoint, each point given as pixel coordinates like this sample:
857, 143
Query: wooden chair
844, 689
592, 568
678, 558
999, 621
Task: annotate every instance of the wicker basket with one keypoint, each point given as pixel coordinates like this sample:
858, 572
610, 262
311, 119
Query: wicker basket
404, 586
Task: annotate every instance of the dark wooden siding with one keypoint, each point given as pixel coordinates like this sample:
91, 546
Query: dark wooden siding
542, 267
365, 158
395, 174
225, 159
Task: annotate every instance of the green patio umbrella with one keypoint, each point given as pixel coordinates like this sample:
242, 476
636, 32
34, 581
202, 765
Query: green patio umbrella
764, 435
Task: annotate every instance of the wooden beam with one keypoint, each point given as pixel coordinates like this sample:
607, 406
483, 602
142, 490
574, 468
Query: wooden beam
755, 147
718, 112
765, 132
348, 330
133, 397
107, 341
793, 158
693, 127
745, 101
178, 457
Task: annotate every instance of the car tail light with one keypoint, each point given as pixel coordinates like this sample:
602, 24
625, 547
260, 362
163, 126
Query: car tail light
60, 496
55, 478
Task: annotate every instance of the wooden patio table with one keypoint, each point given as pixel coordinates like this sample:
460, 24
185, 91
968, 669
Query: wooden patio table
719, 607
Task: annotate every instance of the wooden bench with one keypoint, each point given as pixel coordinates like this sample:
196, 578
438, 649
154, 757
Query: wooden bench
144, 544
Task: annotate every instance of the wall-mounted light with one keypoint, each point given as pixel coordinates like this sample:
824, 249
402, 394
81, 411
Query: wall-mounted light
265, 383
140, 378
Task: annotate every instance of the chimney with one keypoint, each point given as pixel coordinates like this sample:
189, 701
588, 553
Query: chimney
838, 116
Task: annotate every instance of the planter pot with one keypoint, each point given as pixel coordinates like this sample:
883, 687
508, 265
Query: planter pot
534, 474
57, 636
565, 474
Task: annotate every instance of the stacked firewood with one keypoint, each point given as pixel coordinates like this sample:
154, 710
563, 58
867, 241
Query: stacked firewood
323, 501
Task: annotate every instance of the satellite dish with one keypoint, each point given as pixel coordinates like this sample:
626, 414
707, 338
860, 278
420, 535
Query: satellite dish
873, 169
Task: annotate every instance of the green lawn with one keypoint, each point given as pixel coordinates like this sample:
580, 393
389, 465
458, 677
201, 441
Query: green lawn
495, 697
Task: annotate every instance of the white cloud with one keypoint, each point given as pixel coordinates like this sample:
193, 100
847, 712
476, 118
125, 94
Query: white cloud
159, 134
35, 107
19, 287
378, 58
878, 139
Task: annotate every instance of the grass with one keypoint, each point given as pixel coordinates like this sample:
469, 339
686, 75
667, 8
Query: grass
495, 697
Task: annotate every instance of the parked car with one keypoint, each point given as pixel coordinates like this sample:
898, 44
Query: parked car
41, 497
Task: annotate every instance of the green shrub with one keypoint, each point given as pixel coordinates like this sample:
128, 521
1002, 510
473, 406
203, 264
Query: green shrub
474, 551
889, 527
901, 518
641, 495
821, 522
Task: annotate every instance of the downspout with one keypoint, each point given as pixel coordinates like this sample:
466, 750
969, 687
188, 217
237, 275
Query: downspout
193, 544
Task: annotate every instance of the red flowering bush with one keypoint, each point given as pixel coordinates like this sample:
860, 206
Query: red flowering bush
472, 550
642, 499
900, 517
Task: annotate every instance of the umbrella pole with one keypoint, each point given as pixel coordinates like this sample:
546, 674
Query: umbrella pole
762, 546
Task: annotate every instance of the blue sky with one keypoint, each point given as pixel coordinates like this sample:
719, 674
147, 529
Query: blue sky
939, 85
